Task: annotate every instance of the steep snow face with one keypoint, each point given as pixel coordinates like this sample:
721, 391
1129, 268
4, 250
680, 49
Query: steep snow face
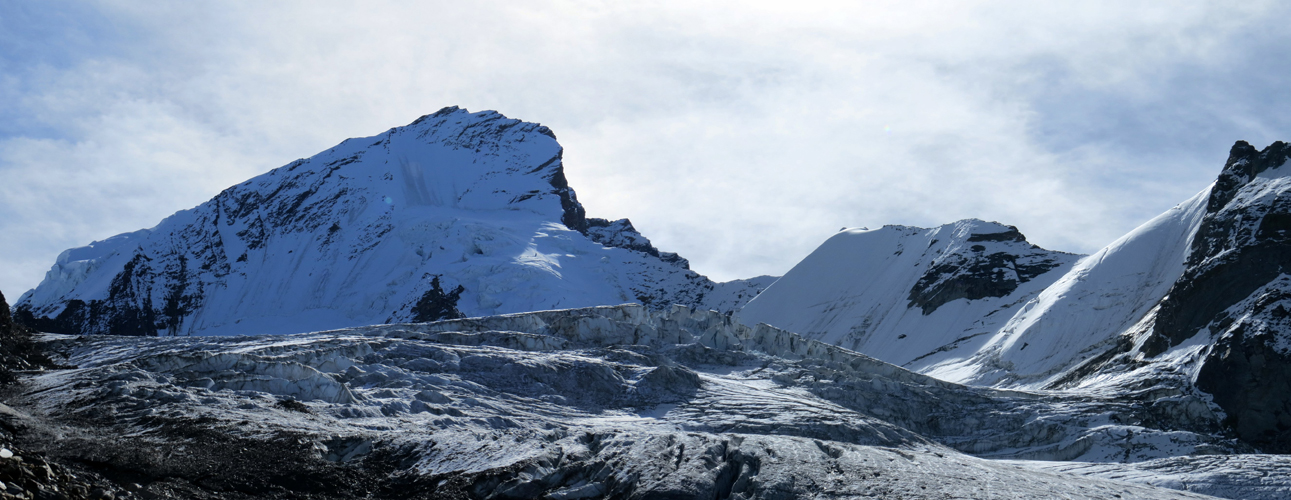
910, 296
1083, 313
605, 402
868, 290
455, 214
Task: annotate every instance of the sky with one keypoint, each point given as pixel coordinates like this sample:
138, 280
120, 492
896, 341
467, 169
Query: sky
739, 134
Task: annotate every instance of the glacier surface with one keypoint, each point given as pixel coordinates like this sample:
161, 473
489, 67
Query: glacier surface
621, 402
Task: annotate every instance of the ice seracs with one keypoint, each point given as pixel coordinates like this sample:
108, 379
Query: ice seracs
622, 402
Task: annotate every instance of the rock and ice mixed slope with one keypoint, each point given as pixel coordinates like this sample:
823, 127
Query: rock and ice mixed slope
606, 402
455, 214
1163, 360
1198, 299
911, 296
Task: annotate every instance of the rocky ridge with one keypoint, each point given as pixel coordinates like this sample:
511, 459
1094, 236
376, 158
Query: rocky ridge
1236, 287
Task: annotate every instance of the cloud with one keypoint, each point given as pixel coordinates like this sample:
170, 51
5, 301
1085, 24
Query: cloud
738, 134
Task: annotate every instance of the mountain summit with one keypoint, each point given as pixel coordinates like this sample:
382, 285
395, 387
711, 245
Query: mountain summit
456, 214
1163, 359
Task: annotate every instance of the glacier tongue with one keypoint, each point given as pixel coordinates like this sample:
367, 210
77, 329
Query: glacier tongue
622, 401
457, 213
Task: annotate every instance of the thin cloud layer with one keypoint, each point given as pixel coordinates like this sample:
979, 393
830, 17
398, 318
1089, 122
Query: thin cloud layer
738, 134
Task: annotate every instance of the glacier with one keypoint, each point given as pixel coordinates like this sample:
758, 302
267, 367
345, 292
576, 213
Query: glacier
603, 402
430, 313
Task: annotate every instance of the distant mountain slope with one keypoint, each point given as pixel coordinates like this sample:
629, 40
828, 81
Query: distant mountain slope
1197, 299
910, 296
1084, 312
455, 214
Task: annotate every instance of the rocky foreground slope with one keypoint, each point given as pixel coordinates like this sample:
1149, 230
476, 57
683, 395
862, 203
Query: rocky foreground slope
607, 402
456, 214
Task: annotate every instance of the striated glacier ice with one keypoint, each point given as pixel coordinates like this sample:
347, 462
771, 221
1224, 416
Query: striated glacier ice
604, 402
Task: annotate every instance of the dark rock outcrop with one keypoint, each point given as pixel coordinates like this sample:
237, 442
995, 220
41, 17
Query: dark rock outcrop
977, 273
17, 351
1235, 285
437, 304
1239, 247
621, 234
1250, 377
128, 308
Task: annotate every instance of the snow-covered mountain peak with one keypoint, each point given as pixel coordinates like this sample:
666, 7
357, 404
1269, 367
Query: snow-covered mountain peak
1244, 164
455, 213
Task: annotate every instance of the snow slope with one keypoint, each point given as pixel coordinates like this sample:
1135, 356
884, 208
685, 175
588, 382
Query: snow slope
910, 296
456, 213
1197, 300
1084, 312
621, 402
856, 290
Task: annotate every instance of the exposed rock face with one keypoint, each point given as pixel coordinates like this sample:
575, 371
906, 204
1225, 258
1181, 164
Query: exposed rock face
437, 304
1243, 243
17, 351
1235, 288
6, 319
125, 310
910, 296
351, 236
621, 234
1248, 371
978, 274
